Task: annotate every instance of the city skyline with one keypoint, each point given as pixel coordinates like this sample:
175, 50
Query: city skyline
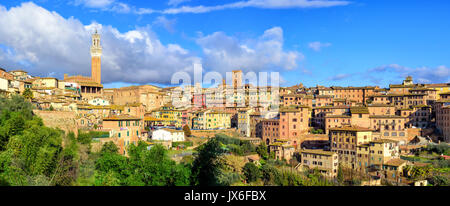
320, 44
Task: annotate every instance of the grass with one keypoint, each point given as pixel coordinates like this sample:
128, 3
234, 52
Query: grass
175, 152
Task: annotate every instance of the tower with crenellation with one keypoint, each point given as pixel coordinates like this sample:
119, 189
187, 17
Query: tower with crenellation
90, 87
96, 53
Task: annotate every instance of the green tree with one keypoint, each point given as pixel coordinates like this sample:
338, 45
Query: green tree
439, 181
187, 131
340, 174
270, 175
110, 178
262, 151
109, 147
32, 157
27, 94
30, 153
17, 103
206, 167
11, 124
251, 172
143, 167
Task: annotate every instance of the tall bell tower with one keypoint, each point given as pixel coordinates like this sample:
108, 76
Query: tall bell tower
96, 53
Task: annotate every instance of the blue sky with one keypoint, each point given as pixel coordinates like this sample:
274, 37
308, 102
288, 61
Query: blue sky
357, 43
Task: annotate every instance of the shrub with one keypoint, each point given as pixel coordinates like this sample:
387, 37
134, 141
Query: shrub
251, 172
185, 143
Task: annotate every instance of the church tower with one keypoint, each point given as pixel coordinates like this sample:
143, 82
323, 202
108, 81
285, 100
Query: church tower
96, 53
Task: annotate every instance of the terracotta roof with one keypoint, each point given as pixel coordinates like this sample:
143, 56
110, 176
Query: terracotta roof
292, 108
380, 105
254, 157
351, 128
351, 88
321, 152
381, 141
421, 106
438, 85
270, 120
338, 116
402, 86
121, 117
359, 110
151, 119
395, 162
422, 89
324, 96
386, 116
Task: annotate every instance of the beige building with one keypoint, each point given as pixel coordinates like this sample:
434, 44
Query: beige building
282, 149
211, 119
325, 161
345, 141
148, 95
123, 130
244, 121
381, 151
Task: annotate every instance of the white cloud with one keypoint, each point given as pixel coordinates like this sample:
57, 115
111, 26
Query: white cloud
142, 11
176, 2
98, 4
391, 73
105, 5
117, 6
168, 24
224, 53
339, 77
440, 74
264, 4
121, 8
317, 46
52, 43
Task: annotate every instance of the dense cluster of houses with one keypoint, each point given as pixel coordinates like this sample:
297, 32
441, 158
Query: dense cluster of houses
363, 127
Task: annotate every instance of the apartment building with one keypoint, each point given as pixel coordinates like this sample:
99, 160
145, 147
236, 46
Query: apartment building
345, 141
148, 95
168, 116
443, 118
123, 130
325, 161
294, 121
381, 151
244, 121
270, 130
297, 100
211, 119
417, 116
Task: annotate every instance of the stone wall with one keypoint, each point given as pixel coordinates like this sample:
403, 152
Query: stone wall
211, 133
64, 120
